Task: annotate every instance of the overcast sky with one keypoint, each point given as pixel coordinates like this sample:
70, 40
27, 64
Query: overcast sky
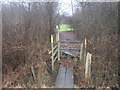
66, 6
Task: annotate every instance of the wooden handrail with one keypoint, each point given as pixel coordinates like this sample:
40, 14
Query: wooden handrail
55, 58
55, 52
54, 47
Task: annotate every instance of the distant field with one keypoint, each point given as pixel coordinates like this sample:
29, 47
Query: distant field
65, 27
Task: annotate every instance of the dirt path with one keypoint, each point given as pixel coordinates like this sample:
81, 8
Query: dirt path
69, 36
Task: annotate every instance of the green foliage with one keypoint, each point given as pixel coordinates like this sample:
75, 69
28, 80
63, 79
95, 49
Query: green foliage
65, 27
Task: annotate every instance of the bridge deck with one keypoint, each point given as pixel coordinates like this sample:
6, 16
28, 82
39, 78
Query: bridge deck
65, 78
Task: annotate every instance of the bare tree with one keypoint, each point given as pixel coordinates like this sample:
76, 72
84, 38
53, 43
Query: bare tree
98, 23
26, 30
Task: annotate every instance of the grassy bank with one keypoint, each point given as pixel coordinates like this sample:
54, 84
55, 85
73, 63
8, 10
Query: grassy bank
65, 27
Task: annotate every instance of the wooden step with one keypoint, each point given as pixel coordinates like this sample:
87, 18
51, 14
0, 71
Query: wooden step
76, 42
70, 49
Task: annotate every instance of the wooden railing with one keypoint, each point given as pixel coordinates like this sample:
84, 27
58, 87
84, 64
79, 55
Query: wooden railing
55, 51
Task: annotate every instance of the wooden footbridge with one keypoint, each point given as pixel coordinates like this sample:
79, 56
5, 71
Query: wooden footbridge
65, 77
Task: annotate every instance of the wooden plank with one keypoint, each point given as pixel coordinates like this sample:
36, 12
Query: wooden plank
69, 83
55, 52
60, 80
55, 58
76, 42
70, 54
65, 78
69, 49
54, 47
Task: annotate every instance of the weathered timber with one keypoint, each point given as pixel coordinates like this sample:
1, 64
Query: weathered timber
81, 52
65, 78
68, 42
70, 49
69, 54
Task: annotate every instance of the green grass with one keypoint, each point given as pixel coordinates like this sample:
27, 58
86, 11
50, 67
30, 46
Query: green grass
65, 27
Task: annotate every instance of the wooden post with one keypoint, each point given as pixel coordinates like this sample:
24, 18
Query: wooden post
52, 52
57, 39
85, 49
90, 57
88, 66
58, 43
58, 51
81, 51
58, 34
